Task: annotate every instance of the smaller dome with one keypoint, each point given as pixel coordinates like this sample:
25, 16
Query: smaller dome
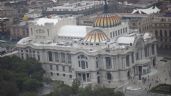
95, 36
107, 21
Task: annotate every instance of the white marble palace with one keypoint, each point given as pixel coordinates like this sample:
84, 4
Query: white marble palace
107, 53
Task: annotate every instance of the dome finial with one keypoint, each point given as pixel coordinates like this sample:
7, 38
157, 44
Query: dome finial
105, 7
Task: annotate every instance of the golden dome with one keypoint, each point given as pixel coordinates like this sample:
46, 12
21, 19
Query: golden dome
107, 20
95, 36
25, 18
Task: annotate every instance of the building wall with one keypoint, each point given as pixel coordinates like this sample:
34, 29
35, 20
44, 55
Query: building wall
4, 26
48, 32
97, 65
160, 26
17, 32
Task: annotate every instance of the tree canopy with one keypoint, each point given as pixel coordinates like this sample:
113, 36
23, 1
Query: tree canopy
18, 76
64, 90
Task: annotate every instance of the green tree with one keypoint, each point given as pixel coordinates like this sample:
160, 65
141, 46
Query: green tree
118, 93
102, 91
29, 94
8, 86
31, 84
19, 75
64, 90
75, 86
61, 90
87, 91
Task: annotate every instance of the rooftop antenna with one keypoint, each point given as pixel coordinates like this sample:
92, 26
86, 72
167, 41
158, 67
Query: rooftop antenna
105, 7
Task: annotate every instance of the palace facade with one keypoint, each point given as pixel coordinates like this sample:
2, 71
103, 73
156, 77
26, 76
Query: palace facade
107, 53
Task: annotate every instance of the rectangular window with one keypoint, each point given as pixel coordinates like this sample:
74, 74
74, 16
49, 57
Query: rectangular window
51, 73
48, 31
22, 56
137, 56
156, 33
63, 57
161, 35
165, 33
146, 51
132, 54
63, 68
63, 75
70, 76
31, 32
69, 58
97, 65
79, 64
83, 64
56, 56
57, 68
38, 57
70, 70
126, 29
108, 62
127, 61
84, 77
153, 49
86, 65
51, 67
50, 56
111, 35
88, 77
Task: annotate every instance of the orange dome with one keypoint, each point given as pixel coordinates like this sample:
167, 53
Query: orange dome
95, 36
107, 20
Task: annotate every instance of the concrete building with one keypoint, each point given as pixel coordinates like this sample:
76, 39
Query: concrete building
4, 26
106, 53
82, 7
19, 31
160, 26
132, 19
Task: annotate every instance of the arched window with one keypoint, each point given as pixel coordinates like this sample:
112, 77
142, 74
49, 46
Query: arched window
82, 61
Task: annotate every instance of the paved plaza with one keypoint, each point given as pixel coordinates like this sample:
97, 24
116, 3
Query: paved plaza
161, 74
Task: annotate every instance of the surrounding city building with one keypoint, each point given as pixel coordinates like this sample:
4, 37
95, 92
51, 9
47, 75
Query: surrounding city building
150, 10
4, 26
7, 12
19, 31
32, 14
132, 19
82, 7
107, 53
159, 26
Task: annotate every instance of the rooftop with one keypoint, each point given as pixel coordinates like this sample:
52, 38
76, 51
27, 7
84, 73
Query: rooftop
82, 5
119, 44
73, 31
150, 10
43, 21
